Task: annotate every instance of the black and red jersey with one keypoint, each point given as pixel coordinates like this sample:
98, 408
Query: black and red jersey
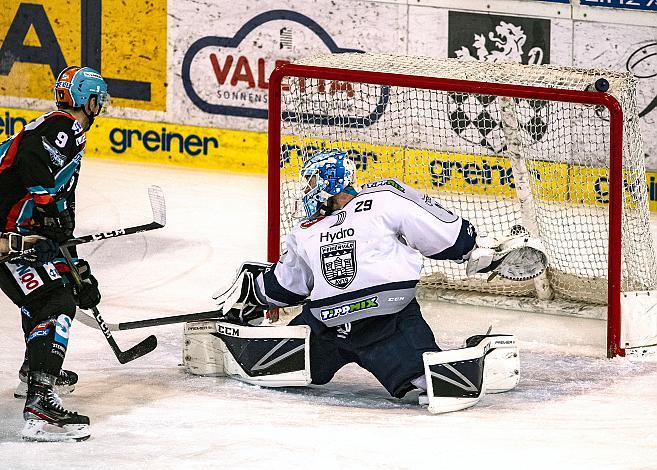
39, 166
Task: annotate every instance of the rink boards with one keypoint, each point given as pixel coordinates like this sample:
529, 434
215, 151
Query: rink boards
246, 151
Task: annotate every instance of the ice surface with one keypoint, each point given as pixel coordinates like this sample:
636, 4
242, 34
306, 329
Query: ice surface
572, 409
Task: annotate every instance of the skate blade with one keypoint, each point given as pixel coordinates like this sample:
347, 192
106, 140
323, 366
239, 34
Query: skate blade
21, 390
41, 431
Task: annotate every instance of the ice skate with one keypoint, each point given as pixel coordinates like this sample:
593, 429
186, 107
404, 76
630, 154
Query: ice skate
46, 420
64, 384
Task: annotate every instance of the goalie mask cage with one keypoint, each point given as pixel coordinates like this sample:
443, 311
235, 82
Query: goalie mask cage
501, 144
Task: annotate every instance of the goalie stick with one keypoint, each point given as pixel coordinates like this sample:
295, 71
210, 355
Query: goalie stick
158, 207
138, 350
234, 304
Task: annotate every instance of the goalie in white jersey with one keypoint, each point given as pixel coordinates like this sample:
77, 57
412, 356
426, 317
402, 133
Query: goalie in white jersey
354, 264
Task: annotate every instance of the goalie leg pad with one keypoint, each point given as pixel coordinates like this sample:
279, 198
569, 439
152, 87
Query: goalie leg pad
502, 371
203, 349
455, 378
265, 356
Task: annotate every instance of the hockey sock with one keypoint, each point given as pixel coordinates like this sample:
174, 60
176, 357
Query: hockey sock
47, 343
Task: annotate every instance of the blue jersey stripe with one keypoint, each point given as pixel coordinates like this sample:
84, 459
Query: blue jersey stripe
25, 214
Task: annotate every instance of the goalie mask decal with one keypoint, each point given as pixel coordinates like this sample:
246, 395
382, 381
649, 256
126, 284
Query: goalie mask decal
339, 263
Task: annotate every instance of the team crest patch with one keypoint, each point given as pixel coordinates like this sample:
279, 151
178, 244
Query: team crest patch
56, 157
339, 263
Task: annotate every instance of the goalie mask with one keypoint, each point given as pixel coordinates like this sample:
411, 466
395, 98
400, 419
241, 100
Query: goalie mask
324, 175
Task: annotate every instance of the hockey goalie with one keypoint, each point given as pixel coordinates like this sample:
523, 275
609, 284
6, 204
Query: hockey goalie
353, 263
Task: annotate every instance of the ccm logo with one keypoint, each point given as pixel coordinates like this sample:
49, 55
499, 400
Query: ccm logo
228, 331
395, 299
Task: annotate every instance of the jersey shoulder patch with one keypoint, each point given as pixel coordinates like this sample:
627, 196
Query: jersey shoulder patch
57, 136
390, 184
305, 227
308, 226
310, 222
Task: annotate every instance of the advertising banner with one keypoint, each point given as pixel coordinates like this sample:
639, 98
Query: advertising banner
493, 38
437, 32
184, 67
40, 38
224, 53
633, 50
158, 142
626, 4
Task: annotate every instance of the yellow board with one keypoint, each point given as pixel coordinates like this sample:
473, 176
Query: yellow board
243, 151
157, 142
131, 36
469, 174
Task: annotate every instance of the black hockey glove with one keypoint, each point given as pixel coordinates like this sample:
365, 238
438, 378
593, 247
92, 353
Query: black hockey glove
245, 316
240, 302
87, 296
43, 251
53, 224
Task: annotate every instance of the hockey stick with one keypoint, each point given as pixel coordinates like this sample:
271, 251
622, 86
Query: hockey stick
138, 350
85, 319
158, 207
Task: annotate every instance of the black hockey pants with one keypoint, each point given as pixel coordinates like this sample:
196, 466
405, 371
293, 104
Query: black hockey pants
388, 346
47, 310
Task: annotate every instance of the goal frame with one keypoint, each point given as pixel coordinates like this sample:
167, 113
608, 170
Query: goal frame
614, 346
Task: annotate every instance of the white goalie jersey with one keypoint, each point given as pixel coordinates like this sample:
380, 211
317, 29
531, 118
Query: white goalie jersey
365, 259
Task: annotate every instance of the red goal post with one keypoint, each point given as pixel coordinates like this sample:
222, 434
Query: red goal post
599, 99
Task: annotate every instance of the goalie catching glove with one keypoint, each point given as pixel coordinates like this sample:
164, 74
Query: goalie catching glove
519, 257
240, 302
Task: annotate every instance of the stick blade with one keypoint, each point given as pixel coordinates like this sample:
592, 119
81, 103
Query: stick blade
158, 205
138, 350
86, 320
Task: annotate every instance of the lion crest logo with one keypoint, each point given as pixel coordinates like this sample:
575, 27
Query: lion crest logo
508, 41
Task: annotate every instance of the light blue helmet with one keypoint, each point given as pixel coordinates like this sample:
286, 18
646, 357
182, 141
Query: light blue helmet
334, 173
76, 85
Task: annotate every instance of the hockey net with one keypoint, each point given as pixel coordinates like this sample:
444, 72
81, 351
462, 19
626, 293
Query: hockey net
500, 144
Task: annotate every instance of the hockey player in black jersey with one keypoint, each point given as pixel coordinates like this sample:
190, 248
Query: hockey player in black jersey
39, 169
354, 264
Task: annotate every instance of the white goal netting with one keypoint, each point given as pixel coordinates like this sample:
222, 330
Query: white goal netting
471, 151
